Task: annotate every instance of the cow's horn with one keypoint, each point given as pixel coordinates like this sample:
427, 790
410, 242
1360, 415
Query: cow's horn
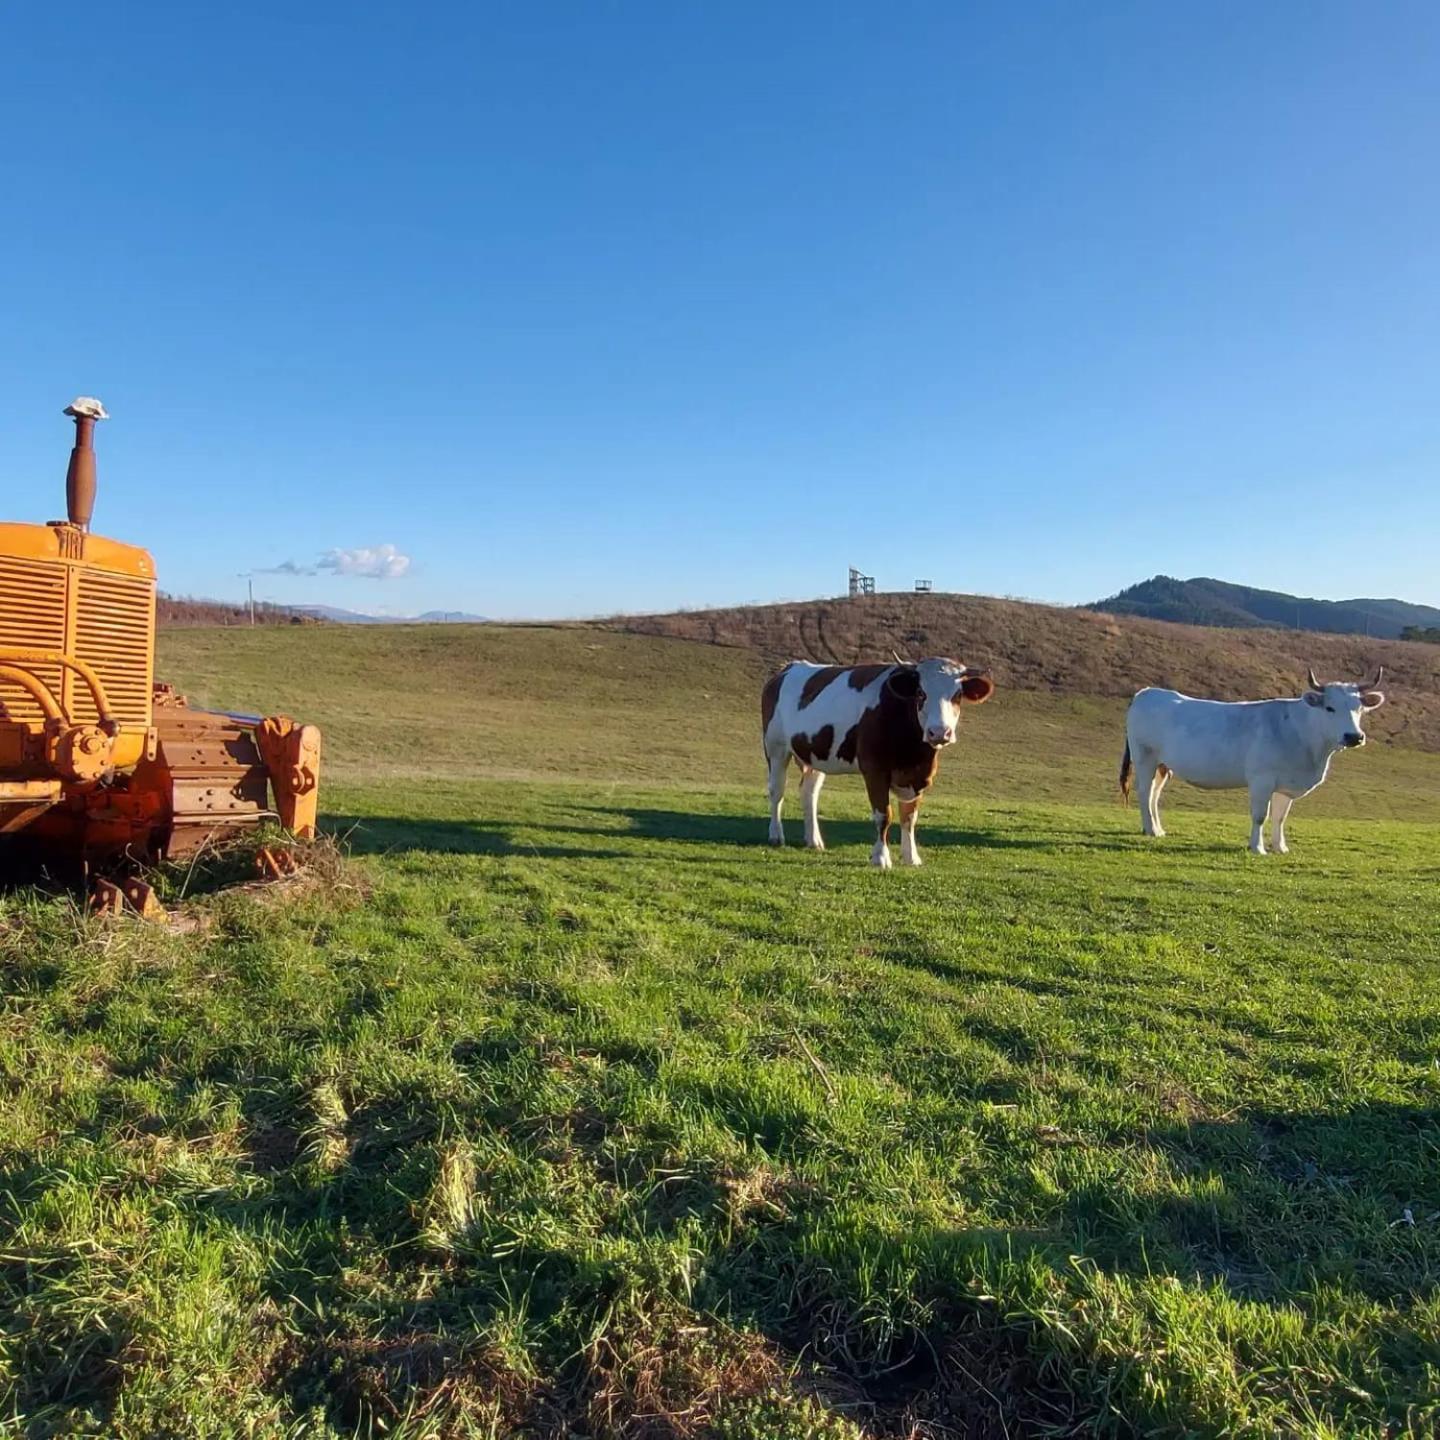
898, 660
1379, 676
1314, 683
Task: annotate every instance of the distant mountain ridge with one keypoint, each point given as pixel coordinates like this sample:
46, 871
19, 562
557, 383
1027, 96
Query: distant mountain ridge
356, 617
1205, 601
174, 611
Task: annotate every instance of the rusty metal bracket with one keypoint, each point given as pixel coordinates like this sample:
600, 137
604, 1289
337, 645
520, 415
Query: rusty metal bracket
273, 863
291, 754
109, 898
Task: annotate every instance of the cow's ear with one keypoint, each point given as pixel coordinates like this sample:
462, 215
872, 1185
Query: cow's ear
1372, 699
976, 689
1314, 697
904, 683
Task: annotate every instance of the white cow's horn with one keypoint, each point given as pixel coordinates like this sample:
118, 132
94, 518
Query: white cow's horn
1379, 676
1314, 683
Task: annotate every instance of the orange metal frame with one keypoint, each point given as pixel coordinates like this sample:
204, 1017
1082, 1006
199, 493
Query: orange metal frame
65, 553
10, 655
37, 689
102, 786
64, 542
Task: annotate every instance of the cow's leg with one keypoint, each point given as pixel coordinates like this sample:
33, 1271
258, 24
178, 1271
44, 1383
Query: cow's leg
909, 811
877, 786
1259, 809
1162, 774
1145, 770
810, 798
779, 763
1279, 813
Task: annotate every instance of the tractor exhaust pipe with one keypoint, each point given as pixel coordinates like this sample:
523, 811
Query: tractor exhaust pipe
80, 477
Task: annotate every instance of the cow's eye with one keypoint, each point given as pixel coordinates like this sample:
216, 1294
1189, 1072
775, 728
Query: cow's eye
920, 696
1330, 708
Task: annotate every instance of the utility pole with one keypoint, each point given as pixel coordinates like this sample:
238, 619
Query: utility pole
250, 583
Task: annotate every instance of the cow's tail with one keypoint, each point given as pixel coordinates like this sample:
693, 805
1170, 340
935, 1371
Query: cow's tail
1126, 766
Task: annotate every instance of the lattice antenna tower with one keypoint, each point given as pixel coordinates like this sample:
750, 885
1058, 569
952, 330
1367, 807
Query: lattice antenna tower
861, 584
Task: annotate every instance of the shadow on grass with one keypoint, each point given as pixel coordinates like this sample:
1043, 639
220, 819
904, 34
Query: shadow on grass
1269, 1206
699, 828
1276, 1202
1274, 1209
892, 1314
379, 835
221, 864
22, 868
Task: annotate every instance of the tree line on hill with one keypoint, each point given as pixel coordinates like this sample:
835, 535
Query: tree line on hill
180, 610
173, 610
1205, 601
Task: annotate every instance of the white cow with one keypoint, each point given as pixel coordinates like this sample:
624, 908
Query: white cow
1279, 750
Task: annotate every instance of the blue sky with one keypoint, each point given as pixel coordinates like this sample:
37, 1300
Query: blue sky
587, 307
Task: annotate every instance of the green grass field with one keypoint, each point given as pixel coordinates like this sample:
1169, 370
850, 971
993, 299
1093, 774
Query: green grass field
566, 1107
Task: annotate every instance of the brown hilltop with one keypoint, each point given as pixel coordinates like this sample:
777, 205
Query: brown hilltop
1050, 648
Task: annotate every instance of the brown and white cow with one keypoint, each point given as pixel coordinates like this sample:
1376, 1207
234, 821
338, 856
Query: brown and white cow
888, 722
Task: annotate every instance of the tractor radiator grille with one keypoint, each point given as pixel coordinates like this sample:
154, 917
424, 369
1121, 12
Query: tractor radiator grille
113, 628
32, 614
114, 631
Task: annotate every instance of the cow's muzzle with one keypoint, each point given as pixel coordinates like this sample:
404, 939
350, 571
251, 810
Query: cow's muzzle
938, 735
1354, 740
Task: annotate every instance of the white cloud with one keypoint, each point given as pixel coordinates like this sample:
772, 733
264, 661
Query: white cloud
374, 562
371, 562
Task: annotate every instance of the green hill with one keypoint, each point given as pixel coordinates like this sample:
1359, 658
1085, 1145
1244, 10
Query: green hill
1203, 601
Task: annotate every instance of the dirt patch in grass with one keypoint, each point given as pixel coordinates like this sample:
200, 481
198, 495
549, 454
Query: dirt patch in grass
273, 1148
643, 1378
365, 1385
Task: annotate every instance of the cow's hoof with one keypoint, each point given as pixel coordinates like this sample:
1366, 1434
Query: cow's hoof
913, 861
814, 844
776, 842
1282, 849
881, 861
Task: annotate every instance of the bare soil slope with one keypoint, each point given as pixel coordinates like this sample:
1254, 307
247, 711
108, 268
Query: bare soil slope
1076, 652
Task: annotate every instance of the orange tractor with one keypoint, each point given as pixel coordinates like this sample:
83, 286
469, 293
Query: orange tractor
100, 767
